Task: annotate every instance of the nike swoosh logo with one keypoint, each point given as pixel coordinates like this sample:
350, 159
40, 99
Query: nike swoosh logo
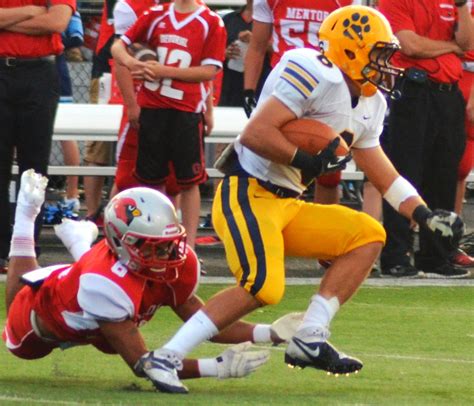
330, 166
311, 353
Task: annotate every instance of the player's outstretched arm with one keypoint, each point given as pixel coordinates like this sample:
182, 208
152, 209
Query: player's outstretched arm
447, 227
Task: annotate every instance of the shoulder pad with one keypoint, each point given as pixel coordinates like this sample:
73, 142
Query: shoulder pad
316, 63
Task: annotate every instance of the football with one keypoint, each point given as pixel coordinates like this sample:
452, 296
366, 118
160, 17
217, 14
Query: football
146, 54
312, 136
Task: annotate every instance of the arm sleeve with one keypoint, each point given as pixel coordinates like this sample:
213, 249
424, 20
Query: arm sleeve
371, 137
102, 299
124, 17
262, 12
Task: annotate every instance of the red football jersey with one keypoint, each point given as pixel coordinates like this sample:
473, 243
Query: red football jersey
295, 22
180, 40
98, 287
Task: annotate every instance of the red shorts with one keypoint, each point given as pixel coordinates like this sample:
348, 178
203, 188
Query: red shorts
18, 334
127, 150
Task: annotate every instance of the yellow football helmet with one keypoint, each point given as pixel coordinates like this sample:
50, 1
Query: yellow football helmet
359, 40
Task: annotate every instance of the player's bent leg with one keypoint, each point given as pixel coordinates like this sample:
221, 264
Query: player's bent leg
19, 334
77, 236
353, 241
22, 251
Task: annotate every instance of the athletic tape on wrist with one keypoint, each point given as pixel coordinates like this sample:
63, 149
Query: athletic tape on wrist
399, 191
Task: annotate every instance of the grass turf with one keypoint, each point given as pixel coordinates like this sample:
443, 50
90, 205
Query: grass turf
416, 342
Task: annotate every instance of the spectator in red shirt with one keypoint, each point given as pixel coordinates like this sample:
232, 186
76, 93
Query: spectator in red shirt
426, 150
30, 37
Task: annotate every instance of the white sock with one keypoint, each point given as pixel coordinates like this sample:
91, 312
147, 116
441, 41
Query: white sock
79, 248
262, 333
320, 312
23, 240
196, 330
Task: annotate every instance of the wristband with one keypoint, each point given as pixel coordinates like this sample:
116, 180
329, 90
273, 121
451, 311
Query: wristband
460, 3
420, 214
399, 191
207, 367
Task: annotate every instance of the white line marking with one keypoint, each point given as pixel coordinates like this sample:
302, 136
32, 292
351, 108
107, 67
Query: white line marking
372, 282
46, 401
391, 356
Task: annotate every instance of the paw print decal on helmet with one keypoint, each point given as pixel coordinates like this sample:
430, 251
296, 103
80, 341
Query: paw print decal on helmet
357, 24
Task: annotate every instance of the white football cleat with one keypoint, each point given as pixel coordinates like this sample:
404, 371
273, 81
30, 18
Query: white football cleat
160, 367
32, 191
71, 231
285, 327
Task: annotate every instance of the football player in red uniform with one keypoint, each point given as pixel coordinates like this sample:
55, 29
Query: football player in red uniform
189, 40
115, 287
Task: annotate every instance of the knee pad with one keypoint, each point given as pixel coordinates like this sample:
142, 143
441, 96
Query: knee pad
331, 181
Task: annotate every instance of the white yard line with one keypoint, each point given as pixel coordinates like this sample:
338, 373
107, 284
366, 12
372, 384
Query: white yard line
372, 282
14, 398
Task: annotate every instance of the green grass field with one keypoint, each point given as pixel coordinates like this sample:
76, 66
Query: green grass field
417, 344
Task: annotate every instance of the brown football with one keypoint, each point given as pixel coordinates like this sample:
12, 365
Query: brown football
146, 54
312, 136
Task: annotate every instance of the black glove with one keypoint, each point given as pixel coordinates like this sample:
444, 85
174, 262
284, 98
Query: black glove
249, 101
326, 161
446, 226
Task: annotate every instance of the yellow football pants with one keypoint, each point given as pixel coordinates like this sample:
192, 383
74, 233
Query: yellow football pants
258, 229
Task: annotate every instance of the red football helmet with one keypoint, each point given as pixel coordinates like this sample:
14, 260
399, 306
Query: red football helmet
142, 229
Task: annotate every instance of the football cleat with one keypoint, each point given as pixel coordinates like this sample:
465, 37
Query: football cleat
160, 367
70, 232
309, 348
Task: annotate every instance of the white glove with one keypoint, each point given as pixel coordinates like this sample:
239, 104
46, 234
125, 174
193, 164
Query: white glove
285, 327
237, 362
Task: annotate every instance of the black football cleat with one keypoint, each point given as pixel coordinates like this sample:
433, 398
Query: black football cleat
309, 348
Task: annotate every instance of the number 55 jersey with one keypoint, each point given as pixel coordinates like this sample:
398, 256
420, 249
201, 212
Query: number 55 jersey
295, 22
181, 41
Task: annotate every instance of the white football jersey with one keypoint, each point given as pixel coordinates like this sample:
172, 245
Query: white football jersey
312, 87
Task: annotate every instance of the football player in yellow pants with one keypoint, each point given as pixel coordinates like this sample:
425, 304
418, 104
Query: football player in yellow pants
256, 211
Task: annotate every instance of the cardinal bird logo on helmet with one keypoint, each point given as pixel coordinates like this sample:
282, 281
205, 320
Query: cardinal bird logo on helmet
126, 210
